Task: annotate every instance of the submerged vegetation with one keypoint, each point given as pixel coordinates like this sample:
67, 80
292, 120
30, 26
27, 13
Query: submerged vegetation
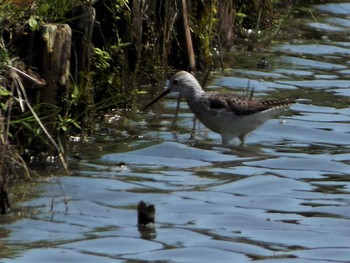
61, 61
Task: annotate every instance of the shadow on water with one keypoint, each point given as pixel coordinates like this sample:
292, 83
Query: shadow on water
283, 197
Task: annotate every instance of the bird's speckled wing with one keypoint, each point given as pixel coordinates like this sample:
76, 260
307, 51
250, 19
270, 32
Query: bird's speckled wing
242, 105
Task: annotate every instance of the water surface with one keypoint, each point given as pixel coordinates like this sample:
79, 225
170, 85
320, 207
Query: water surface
283, 197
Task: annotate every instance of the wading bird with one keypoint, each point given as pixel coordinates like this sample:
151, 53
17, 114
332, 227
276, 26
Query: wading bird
228, 114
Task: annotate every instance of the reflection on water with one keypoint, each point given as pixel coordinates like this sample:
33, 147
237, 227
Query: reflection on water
284, 197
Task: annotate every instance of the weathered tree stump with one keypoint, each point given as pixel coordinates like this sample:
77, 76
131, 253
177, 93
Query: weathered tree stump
56, 61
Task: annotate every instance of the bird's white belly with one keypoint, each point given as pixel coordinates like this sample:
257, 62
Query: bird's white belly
234, 125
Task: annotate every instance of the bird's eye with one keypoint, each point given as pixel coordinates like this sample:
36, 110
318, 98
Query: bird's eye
175, 81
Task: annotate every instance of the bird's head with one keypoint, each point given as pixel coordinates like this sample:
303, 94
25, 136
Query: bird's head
181, 81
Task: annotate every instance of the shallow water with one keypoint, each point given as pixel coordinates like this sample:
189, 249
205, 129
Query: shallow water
283, 197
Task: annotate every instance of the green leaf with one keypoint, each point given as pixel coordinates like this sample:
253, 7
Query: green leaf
75, 94
5, 93
242, 15
33, 23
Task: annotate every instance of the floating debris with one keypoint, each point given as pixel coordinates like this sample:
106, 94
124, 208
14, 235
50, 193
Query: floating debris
263, 64
145, 213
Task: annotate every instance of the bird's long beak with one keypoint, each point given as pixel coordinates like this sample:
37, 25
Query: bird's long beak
165, 92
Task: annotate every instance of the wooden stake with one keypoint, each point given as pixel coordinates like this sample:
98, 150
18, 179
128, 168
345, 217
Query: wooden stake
56, 60
189, 46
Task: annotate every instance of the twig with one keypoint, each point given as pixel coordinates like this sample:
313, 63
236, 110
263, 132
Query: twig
65, 200
189, 45
36, 81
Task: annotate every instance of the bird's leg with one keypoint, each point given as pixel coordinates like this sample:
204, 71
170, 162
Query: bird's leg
225, 140
241, 138
250, 91
173, 125
193, 128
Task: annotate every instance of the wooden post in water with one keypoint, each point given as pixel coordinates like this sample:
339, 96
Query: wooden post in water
56, 60
56, 67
